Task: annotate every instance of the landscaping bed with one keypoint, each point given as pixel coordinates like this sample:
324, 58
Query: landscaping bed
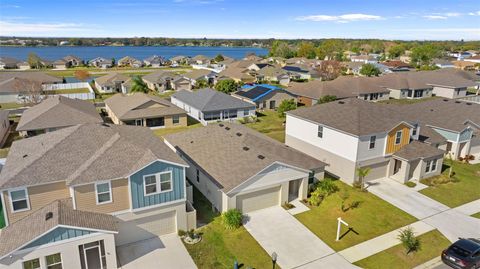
464, 189
368, 215
431, 246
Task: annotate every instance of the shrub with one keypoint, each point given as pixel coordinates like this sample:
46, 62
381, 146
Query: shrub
287, 205
409, 240
316, 197
410, 184
232, 219
181, 233
354, 204
327, 186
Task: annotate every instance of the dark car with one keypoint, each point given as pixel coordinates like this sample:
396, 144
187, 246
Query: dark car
465, 253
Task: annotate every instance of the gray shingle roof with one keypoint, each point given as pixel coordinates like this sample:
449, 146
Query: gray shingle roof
83, 154
219, 152
418, 150
211, 100
34, 225
15, 82
158, 76
111, 78
58, 111
140, 105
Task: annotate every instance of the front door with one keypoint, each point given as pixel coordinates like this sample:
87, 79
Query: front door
293, 188
397, 166
92, 255
272, 104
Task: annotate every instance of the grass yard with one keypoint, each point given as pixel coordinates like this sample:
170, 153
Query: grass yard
477, 215
80, 90
270, 124
191, 124
219, 247
372, 218
12, 136
11, 105
431, 246
454, 194
406, 101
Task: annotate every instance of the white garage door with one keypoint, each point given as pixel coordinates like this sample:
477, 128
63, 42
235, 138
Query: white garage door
377, 171
147, 227
258, 199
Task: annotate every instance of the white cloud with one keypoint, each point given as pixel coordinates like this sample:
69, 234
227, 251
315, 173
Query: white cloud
474, 13
341, 18
442, 16
36, 29
435, 17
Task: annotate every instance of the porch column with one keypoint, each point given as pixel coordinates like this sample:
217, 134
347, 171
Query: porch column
406, 171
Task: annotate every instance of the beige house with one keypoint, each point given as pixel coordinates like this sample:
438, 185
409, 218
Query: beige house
144, 110
159, 81
72, 196
111, 83
264, 96
263, 173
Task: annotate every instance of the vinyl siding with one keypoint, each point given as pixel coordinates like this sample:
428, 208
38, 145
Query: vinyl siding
85, 197
139, 200
59, 234
450, 136
391, 147
39, 196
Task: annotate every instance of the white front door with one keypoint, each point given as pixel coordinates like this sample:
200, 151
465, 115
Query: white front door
92, 254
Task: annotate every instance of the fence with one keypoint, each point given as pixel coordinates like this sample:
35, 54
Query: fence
71, 86
471, 98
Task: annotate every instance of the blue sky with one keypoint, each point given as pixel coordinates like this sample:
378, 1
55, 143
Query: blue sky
405, 19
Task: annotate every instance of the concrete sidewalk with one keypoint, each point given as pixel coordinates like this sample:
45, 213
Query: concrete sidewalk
469, 208
381, 243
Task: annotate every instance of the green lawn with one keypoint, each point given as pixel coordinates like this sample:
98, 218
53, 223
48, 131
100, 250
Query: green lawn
431, 246
454, 194
11, 105
271, 124
191, 123
219, 247
406, 101
80, 90
2, 220
477, 215
372, 218
12, 136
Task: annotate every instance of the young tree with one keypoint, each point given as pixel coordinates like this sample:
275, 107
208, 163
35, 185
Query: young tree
285, 106
81, 75
326, 99
281, 49
370, 70
201, 83
409, 240
362, 173
34, 61
329, 70
226, 86
138, 85
424, 54
31, 90
307, 50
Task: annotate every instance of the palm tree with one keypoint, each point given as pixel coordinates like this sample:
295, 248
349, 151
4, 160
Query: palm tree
138, 85
362, 173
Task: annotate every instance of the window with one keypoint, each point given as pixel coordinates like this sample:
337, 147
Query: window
414, 131
246, 112
427, 169
157, 183
320, 131
398, 137
176, 119
31, 264
104, 192
434, 165
19, 200
372, 142
54, 261
198, 176
139, 122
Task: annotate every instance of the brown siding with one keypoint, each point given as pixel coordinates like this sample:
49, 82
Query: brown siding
169, 121
39, 196
305, 101
391, 147
85, 197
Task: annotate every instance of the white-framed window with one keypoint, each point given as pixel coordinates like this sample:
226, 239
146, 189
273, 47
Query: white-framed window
320, 131
176, 119
414, 131
54, 261
373, 139
103, 191
19, 200
427, 169
398, 137
431, 166
157, 183
32, 264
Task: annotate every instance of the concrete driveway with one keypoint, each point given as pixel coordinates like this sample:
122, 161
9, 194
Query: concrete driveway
278, 231
166, 251
405, 198
453, 224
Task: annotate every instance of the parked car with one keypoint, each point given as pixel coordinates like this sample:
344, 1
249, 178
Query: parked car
465, 253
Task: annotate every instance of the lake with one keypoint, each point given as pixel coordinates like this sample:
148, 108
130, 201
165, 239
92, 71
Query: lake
88, 53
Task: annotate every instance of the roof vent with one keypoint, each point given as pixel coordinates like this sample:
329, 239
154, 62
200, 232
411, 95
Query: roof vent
341, 102
261, 157
431, 110
105, 125
457, 102
48, 216
239, 134
25, 156
246, 148
445, 100
221, 125
227, 128
468, 104
191, 142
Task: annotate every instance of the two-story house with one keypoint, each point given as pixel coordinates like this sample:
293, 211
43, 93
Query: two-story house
352, 133
71, 196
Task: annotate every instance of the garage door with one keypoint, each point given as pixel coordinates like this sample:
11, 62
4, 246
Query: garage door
377, 171
147, 227
258, 199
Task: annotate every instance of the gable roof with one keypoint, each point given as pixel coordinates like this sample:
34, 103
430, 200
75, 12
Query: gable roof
16, 82
158, 76
229, 142
210, 100
418, 150
130, 106
200, 57
110, 79
353, 116
197, 74
83, 154
34, 225
58, 111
